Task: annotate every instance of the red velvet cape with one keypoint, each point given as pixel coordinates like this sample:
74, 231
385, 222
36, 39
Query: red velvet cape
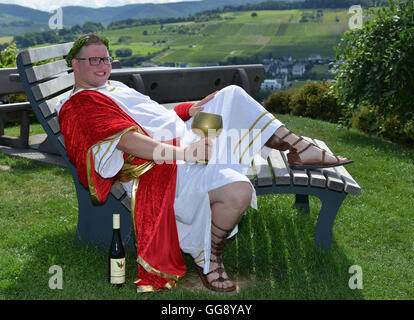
90, 117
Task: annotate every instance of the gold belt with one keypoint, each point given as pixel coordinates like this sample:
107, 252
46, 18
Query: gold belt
131, 171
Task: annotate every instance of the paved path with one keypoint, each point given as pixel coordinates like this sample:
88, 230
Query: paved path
33, 153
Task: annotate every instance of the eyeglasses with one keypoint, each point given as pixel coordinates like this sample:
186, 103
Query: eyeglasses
96, 61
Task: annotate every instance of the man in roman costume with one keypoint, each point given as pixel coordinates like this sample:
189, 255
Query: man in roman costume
113, 132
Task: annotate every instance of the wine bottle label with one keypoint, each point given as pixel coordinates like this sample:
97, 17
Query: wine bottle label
115, 221
117, 271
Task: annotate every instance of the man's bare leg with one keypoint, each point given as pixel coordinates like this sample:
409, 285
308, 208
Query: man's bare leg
228, 203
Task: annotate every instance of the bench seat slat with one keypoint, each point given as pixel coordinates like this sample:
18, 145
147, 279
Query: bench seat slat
48, 88
280, 171
351, 186
41, 72
250, 174
299, 177
264, 177
334, 181
316, 176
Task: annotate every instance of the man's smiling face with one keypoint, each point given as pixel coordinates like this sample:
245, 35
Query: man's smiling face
87, 76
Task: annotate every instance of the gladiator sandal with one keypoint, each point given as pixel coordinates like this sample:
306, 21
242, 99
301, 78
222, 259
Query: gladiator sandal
216, 249
277, 143
296, 162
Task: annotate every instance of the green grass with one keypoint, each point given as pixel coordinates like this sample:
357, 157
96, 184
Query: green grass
5, 39
298, 84
277, 32
273, 253
321, 71
14, 131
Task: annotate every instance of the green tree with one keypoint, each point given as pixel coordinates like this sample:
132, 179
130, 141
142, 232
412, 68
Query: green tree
314, 100
375, 65
278, 101
123, 52
94, 27
50, 37
8, 56
76, 29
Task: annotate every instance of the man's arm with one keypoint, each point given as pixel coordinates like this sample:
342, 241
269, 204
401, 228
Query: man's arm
145, 147
182, 110
187, 110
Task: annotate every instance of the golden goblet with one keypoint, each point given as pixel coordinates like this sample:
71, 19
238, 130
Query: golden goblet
207, 125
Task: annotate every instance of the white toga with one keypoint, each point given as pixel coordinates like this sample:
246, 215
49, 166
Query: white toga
246, 127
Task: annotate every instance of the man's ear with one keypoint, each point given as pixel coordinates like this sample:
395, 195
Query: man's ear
75, 65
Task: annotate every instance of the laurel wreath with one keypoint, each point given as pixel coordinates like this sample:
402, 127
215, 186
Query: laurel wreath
75, 49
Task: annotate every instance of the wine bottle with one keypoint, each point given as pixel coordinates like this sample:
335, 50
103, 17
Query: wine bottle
116, 255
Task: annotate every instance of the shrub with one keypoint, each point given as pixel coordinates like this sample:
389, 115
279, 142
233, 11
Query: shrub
313, 100
319, 102
124, 52
8, 56
375, 66
390, 127
278, 102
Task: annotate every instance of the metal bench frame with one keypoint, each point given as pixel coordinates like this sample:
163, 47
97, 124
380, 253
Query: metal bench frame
48, 83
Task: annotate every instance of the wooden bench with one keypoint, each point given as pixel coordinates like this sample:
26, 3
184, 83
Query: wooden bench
13, 111
330, 185
46, 84
20, 112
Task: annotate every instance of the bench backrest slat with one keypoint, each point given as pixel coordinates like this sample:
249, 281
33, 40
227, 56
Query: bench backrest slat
44, 71
61, 139
54, 125
126, 202
44, 53
117, 190
48, 107
51, 87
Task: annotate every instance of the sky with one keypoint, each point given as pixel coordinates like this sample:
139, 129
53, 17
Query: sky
47, 5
